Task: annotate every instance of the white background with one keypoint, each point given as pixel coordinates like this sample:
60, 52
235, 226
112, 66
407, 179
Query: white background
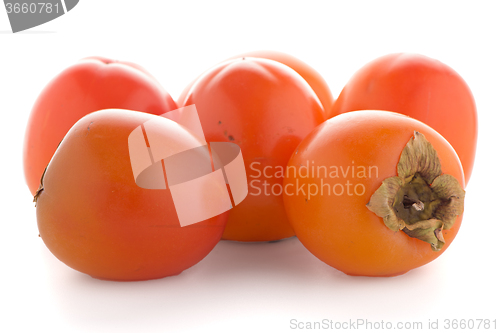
248, 287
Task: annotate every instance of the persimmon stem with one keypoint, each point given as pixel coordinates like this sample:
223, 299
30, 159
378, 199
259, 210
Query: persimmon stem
417, 204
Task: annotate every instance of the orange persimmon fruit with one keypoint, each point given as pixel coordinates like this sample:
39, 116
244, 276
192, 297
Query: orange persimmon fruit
92, 84
374, 193
422, 88
94, 217
266, 108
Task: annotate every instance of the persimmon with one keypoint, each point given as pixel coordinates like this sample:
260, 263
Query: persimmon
422, 88
374, 193
91, 84
312, 77
94, 217
266, 108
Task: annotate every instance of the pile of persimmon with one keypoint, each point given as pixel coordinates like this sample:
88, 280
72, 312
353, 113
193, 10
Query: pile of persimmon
375, 192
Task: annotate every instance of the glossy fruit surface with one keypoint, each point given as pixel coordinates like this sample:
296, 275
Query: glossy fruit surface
313, 78
267, 109
422, 88
91, 84
93, 217
332, 177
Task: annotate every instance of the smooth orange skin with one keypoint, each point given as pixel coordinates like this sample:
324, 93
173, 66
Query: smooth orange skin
422, 88
91, 84
267, 109
93, 217
340, 230
315, 80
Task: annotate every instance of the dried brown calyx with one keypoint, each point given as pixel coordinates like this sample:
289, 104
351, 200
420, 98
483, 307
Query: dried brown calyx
420, 200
